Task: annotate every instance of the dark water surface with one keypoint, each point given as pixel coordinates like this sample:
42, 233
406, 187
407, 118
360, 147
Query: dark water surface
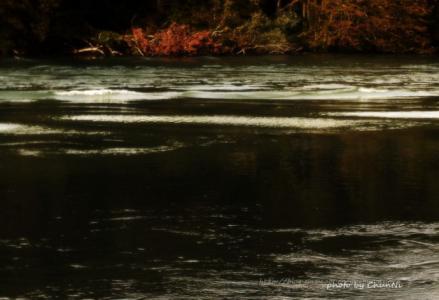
220, 178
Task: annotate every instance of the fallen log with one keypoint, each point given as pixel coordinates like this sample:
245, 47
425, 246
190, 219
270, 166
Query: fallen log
89, 50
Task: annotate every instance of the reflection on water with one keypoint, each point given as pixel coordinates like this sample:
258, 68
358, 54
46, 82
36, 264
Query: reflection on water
21, 129
305, 123
392, 114
221, 178
217, 252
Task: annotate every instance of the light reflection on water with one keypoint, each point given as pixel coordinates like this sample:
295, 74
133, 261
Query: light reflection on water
156, 179
402, 252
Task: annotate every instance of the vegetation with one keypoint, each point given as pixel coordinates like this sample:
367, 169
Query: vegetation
198, 27
384, 26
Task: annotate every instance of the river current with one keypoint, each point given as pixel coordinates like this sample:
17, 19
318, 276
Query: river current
308, 177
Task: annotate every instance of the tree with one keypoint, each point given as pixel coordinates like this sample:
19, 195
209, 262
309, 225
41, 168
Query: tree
364, 25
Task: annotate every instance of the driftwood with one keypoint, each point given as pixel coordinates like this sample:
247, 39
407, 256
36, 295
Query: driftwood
89, 50
97, 50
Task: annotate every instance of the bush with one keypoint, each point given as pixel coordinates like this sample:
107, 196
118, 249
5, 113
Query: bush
362, 25
174, 40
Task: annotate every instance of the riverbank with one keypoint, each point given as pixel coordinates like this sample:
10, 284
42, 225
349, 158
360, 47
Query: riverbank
214, 27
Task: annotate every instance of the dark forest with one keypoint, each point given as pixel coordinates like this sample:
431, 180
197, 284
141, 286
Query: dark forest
194, 27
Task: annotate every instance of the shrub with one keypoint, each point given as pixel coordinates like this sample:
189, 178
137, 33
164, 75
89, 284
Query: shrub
174, 40
379, 25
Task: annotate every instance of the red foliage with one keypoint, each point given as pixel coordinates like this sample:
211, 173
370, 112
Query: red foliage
139, 39
174, 41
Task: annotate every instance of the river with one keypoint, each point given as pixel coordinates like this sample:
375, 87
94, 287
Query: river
308, 177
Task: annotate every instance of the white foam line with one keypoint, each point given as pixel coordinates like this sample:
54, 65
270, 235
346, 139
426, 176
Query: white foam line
120, 151
346, 93
8, 127
389, 114
307, 92
221, 88
97, 92
20, 129
274, 122
111, 96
